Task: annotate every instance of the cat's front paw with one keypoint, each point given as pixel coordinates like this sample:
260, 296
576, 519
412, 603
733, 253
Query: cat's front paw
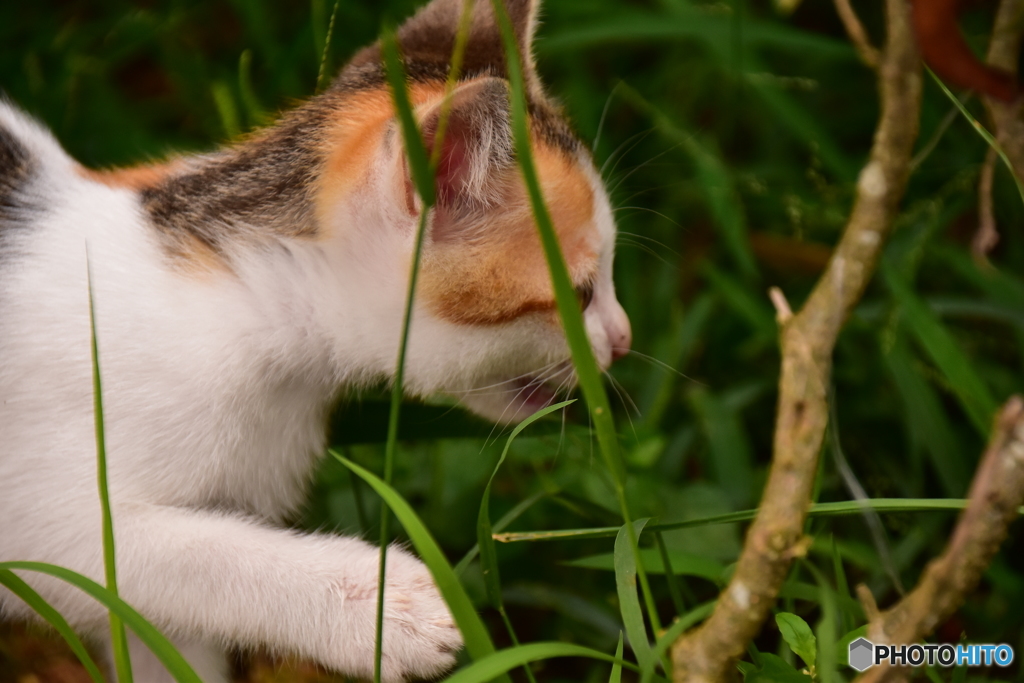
420, 636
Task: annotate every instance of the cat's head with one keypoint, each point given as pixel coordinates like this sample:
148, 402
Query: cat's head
486, 328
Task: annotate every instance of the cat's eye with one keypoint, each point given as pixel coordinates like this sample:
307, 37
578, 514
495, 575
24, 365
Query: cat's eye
585, 294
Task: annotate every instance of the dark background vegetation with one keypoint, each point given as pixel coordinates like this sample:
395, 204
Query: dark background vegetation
731, 140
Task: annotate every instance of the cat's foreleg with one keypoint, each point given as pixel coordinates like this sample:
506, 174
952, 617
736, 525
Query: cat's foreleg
225, 579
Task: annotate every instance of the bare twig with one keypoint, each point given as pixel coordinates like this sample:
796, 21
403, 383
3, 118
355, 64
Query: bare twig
868, 53
783, 313
995, 495
986, 238
708, 653
1002, 53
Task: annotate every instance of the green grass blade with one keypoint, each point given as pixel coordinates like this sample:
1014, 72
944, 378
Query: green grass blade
982, 131
616, 674
842, 584
488, 554
682, 563
512, 515
931, 334
412, 139
422, 169
474, 633
226, 108
118, 639
670, 575
629, 602
565, 297
836, 509
827, 636
506, 660
146, 632
696, 24
325, 36
254, 113
16, 585
423, 179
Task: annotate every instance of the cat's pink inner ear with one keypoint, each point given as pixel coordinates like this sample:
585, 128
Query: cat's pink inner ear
454, 166
475, 148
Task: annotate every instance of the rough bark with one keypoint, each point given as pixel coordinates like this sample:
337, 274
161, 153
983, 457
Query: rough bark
995, 498
709, 653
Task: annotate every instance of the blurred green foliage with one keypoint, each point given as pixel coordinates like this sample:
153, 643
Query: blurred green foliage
730, 137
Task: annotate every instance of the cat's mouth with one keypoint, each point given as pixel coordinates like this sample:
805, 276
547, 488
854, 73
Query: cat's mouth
513, 400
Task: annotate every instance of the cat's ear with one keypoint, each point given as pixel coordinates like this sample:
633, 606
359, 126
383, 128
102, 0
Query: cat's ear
428, 38
476, 153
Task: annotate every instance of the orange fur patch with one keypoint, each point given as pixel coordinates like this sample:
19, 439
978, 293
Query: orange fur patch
504, 274
133, 177
359, 124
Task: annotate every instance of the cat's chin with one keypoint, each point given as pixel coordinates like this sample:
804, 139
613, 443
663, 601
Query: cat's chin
513, 400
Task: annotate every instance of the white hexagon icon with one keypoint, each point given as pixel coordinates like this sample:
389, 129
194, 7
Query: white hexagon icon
862, 654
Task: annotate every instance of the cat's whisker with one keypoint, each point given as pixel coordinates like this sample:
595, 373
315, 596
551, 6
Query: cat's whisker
645, 237
604, 115
525, 375
537, 384
617, 385
654, 361
653, 188
643, 247
644, 208
638, 167
615, 388
639, 137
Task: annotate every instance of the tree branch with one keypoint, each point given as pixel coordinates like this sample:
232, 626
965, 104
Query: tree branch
1002, 53
708, 653
996, 494
868, 53
987, 236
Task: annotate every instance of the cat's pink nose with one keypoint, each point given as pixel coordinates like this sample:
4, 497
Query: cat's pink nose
619, 334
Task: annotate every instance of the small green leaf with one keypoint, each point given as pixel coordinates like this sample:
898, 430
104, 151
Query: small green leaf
629, 602
798, 636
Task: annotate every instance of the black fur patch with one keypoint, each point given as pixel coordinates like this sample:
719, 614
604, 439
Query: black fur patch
260, 190
17, 168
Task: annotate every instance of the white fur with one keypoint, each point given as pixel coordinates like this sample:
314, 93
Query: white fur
216, 386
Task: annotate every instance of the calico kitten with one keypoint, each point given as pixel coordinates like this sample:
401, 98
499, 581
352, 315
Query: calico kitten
236, 294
